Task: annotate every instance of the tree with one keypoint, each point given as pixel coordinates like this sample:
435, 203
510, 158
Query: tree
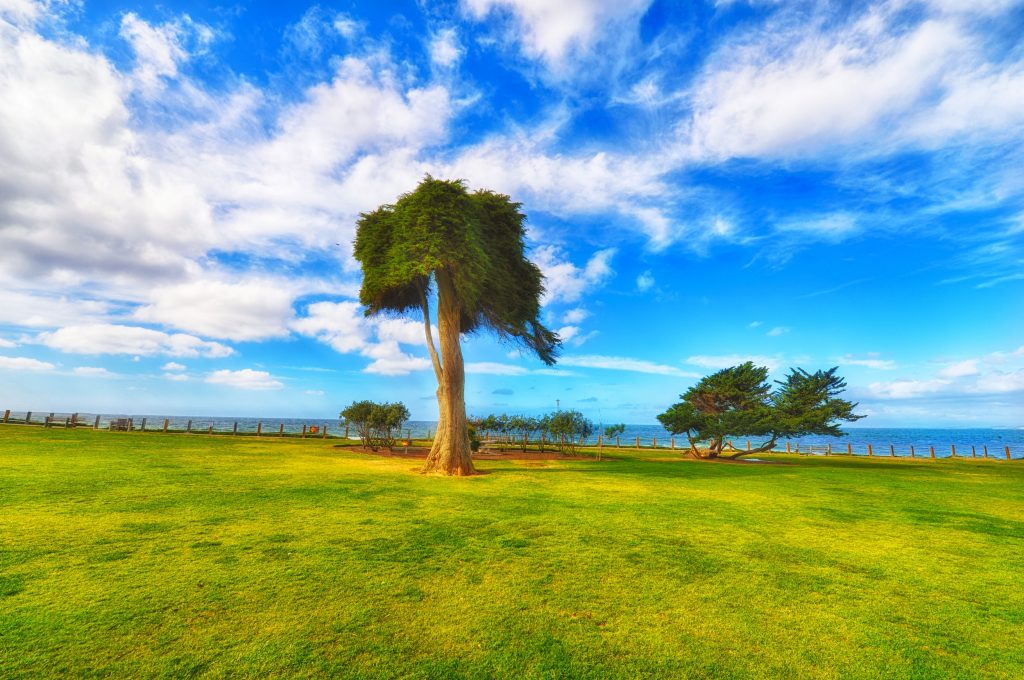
613, 431
468, 248
738, 401
376, 423
566, 427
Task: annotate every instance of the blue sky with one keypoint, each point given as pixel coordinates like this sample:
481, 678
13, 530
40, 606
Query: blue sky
797, 183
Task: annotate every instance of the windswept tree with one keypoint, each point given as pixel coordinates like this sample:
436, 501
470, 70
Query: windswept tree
468, 248
739, 401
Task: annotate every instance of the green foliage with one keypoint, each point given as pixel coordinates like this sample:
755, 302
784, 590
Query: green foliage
477, 239
613, 431
738, 401
566, 428
378, 424
474, 438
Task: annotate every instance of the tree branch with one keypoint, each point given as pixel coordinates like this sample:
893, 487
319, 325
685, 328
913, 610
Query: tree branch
434, 359
767, 446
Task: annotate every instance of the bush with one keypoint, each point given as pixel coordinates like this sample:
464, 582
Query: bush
378, 424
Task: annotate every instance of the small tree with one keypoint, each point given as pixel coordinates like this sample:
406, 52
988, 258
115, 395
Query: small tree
566, 427
738, 401
377, 424
613, 431
358, 415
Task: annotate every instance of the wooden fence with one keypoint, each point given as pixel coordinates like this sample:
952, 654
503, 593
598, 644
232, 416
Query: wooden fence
504, 440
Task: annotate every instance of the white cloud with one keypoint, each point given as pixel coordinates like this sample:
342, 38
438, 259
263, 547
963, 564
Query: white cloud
753, 324
389, 359
906, 389
314, 393
24, 364
135, 340
872, 360
36, 310
645, 281
623, 364
552, 30
564, 281
176, 377
777, 331
960, 369
255, 309
173, 366
159, 50
494, 368
93, 372
575, 315
245, 379
445, 50
5, 343
717, 362
998, 382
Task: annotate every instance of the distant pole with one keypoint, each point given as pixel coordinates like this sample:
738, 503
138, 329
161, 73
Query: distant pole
748, 445
985, 447
189, 428
931, 451
828, 449
892, 451
67, 423
973, 454
167, 421
654, 442
259, 428
788, 449
849, 449
210, 431
871, 451
912, 451
28, 418
303, 430
131, 424
324, 435
952, 449
600, 441
280, 431
1008, 453
143, 428
7, 416
234, 428
638, 442
618, 442
673, 443
46, 421
346, 432
96, 424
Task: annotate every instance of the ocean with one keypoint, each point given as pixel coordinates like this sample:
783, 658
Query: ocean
857, 439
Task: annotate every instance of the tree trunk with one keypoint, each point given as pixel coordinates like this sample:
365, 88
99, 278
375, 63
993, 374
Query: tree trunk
450, 454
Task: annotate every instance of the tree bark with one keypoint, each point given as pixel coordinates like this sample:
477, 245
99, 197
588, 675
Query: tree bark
767, 446
450, 453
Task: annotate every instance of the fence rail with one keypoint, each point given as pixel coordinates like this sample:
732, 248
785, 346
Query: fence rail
323, 430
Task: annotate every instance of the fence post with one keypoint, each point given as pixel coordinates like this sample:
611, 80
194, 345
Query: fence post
1008, 453
167, 421
618, 442
871, 451
143, 428
346, 431
96, 425
324, 435
828, 449
46, 422
259, 428
973, 455
912, 451
638, 442
849, 449
7, 416
280, 430
985, 447
234, 428
303, 430
210, 431
952, 449
131, 424
189, 428
673, 444
931, 451
788, 449
67, 423
654, 442
892, 451
74, 419
28, 418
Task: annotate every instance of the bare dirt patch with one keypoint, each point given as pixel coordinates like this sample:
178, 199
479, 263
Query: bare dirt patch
421, 452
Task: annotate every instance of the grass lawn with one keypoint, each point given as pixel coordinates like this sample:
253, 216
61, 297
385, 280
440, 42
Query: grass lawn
174, 555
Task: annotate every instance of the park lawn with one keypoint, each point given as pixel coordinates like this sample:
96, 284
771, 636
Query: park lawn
138, 554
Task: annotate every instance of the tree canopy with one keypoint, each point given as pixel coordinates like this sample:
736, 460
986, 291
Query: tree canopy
739, 401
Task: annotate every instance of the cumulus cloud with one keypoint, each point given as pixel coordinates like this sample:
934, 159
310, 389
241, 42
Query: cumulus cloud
552, 30
131, 340
777, 331
960, 369
564, 281
93, 372
5, 343
173, 366
24, 364
445, 50
720, 361
245, 379
645, 281
906, 389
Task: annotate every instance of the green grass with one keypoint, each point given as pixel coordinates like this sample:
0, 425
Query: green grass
175, 555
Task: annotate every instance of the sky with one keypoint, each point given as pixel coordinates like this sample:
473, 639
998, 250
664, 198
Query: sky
800, 184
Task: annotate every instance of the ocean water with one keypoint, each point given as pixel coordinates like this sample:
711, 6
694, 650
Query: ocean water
857, 439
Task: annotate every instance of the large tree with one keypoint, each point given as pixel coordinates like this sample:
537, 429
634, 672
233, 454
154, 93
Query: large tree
739, 401
468, 248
